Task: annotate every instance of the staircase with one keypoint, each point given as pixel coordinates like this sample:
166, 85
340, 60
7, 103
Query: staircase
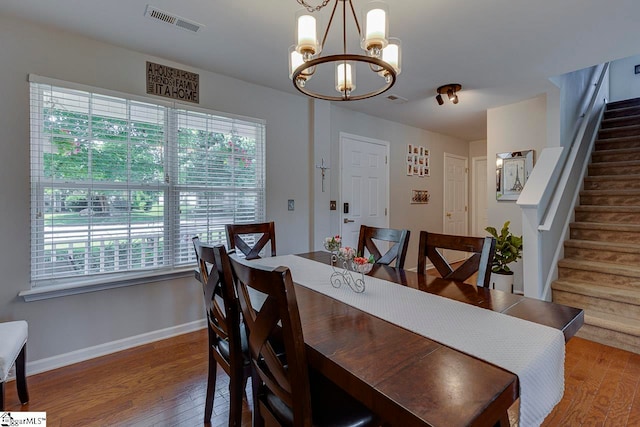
601, 269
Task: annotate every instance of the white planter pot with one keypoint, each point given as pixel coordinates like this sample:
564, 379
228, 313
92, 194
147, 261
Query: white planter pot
502, 282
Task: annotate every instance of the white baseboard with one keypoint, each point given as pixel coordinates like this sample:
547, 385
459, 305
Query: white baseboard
49, 363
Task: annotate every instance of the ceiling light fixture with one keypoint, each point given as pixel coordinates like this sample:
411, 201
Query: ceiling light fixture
450, 90
381, 57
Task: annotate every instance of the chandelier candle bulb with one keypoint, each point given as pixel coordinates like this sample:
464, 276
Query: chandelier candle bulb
295, 60
376, 28
391, 55
306, 34
343, 74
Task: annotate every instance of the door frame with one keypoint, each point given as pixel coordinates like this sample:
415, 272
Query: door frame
386, 144
474, 192
444, 188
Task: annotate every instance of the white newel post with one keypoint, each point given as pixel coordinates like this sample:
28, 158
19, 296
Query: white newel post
533, 278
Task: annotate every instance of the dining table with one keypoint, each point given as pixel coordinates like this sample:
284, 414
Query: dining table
405, 377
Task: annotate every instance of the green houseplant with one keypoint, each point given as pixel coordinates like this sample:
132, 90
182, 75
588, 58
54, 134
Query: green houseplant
508, 250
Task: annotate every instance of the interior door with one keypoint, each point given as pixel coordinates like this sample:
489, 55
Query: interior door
364, 182
455, 200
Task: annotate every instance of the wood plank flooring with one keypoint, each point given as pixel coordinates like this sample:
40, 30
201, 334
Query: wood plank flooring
164, 383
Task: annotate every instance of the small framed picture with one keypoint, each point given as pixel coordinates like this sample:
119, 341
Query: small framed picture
409, 158
409, 148
410, 169
416, 150
426, 152
426, 172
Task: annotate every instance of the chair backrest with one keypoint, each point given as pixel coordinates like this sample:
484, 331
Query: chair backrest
397, 252
483, 249
276, 322
235, 233
221, 306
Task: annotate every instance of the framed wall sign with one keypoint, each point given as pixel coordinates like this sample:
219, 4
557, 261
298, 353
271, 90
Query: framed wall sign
512, 171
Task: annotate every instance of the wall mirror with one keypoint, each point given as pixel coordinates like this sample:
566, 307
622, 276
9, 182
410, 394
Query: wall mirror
512, 172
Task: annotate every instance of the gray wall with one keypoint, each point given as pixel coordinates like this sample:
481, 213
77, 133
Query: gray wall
66, 324
296, 137
402, 214
515, 127
624, 83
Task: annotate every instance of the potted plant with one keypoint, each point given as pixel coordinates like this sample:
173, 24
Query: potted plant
508, 250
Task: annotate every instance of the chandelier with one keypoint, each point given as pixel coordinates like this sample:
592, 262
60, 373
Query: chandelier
379, 57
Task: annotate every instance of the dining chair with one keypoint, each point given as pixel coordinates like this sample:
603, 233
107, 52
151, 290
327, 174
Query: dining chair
239, 234
397, 252
227, 337
13, 349
482, 249
286, 391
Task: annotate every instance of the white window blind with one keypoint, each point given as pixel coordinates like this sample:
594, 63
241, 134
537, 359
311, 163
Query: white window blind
120, 185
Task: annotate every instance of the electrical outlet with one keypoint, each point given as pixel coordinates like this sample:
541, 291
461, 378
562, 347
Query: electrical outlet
291, 205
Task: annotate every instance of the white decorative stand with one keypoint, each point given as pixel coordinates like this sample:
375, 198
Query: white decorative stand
343, 275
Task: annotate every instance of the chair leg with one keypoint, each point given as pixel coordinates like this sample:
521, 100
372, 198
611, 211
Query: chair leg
256, 417
235, 399
1, 395
211, 387
21, 375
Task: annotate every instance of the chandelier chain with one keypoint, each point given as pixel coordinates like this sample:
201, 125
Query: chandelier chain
311, 8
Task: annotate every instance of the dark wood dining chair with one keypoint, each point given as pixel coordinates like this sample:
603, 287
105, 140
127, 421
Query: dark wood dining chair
397, 252
286, 391
227, 338
483, 249
237, 236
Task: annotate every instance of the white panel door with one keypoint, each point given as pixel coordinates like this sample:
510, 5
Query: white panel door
455, 200
364, 185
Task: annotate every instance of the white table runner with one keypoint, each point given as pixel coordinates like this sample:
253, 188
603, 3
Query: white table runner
533, 352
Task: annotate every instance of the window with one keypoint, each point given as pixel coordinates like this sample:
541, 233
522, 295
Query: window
120, 184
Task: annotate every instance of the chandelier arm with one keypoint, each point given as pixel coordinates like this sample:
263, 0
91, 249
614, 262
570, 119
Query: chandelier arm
355, 18
326, 32
344, 32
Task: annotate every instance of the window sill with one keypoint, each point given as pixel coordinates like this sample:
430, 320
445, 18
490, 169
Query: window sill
55, 291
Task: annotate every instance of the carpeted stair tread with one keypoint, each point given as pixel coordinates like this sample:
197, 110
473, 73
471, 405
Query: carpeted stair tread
625, 103
632, 110
612, 192
612, 177
600, 267
613, 322
615, 155
605, 226
626, 295
619, 164
603, 246
621, 121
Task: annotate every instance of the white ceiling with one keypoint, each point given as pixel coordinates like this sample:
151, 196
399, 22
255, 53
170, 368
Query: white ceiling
501, 51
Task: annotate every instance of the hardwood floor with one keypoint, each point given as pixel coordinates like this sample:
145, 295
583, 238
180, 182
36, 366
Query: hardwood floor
163, 384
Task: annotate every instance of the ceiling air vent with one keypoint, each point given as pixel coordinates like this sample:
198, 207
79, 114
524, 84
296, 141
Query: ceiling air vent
397, 99
171, 19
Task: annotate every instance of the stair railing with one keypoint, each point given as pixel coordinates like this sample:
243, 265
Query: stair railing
551, 193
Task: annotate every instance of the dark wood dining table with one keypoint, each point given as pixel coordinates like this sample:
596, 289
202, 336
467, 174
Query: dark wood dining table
410, 380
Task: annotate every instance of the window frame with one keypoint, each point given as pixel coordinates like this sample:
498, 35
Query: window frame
41, 288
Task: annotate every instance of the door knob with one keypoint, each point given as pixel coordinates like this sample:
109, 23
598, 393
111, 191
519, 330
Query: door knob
347, 220
448, 214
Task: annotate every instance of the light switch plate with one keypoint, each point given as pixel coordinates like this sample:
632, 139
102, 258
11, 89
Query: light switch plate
291, 205
332, 205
